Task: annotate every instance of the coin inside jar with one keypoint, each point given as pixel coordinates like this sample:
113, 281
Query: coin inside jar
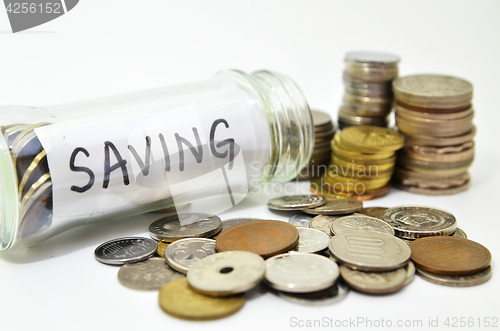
178, 299
301, 272
369, 251
226, 273
263, 237
184, 253
449, 255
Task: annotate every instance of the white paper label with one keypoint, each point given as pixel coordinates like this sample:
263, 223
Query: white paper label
122, 162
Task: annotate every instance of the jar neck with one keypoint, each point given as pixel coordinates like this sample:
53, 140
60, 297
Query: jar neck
290, 124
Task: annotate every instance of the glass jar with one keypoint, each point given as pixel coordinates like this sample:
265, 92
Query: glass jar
70, 165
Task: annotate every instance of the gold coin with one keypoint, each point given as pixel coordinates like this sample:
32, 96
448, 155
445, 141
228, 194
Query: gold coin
178, 299
354, 184
161, 246
370, 139
347, 154
347, 166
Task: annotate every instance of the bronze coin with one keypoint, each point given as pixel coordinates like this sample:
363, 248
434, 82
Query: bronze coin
450, 256
263, 237
373, 211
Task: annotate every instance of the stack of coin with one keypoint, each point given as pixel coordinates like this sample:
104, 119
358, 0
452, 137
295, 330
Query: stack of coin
368, 93
362, 163
35, 184
434, 113
324, 129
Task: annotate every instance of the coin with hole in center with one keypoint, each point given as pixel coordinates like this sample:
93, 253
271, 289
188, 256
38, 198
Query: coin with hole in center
301, 272
125, 250
369, 251
295, 202
184, 253
178, 299
226, 273
190, 225
150, 274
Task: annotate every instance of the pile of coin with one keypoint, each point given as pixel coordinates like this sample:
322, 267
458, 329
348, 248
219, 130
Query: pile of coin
324, 129
441, 251
362, 163
202, 279
368, 93
434, 113
35, 184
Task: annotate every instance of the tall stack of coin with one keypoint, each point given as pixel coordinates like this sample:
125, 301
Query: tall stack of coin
324, 129
362, 163
434, 113
368, 94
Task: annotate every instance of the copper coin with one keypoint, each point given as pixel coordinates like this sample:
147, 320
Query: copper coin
263, 237
373, 211
450, 256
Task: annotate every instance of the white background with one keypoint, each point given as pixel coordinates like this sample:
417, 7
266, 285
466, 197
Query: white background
107, 47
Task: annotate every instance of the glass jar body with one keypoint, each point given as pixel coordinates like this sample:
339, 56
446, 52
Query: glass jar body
69, 165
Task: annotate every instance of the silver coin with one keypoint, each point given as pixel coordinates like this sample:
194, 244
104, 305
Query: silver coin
374, 282
371, 57
369, 250
457, 281
226, 224
190, 225
410, 272
325, 297
226, 273
301, 272
336, 206
151, 274
413, 222
125, 250
323, 223
184, 253
311, 241
301, 219
360, 222
296, 202
459, 233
